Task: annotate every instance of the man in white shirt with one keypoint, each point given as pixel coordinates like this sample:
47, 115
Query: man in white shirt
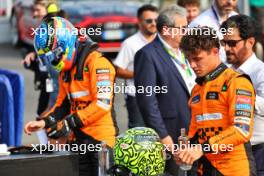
219, 11
239, 52
147, 17
179, 59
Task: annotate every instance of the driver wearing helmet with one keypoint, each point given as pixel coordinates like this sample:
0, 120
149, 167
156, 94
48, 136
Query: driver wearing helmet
82, 111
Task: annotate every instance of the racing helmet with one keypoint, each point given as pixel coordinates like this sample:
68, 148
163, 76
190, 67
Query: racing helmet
138, 152
55, 43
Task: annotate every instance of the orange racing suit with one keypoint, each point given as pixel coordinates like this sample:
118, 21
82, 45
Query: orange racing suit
222, 105
90, 99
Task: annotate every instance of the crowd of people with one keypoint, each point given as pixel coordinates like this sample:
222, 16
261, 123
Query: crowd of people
214, 89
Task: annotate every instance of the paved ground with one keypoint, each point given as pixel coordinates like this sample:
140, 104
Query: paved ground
10, 58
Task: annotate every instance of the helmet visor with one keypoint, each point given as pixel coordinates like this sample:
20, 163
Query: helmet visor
51, 57
119, 170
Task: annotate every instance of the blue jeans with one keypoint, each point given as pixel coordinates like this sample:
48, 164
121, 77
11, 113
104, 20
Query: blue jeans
135, 118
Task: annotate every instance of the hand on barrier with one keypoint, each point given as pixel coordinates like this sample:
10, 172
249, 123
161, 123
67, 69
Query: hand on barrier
34, 126
49, 121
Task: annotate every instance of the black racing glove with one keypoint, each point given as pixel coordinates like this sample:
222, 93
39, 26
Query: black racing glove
60, 129
74, 121
49, 121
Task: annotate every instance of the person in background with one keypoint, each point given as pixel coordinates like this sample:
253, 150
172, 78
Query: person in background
257, 12
239, 51
214, 16
124, 63
161, 66
222, 105
192, 7
46, 77
30, 61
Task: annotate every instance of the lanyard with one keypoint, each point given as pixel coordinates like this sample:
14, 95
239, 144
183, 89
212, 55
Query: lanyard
183, 65
215, 15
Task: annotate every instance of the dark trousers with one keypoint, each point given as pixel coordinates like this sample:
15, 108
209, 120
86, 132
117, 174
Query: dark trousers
171, 168
89, 160
135, 118
258, 152
88, 164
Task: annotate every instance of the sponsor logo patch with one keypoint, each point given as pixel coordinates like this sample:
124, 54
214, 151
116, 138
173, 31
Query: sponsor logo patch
86, 68
224, 88
242, 99
204, 117
102, 70
103, 83
196, 99
244, 120
243, 128
103, 95
104, 89
212, 96
242, 113
102, 77
104, 100
243, 92
103, 105
243, 106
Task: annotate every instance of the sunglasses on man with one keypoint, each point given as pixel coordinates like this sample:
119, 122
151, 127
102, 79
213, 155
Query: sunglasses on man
230, 43
150, 21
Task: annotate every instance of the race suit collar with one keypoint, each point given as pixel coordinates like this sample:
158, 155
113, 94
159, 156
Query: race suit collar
212, 75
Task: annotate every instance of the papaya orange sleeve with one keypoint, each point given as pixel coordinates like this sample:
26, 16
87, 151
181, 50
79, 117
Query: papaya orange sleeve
241, 100
102, 91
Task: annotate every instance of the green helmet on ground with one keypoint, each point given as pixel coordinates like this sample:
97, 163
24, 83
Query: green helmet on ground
140, 151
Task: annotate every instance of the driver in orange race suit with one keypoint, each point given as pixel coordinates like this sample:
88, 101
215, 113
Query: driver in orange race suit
222, 105
84, 101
